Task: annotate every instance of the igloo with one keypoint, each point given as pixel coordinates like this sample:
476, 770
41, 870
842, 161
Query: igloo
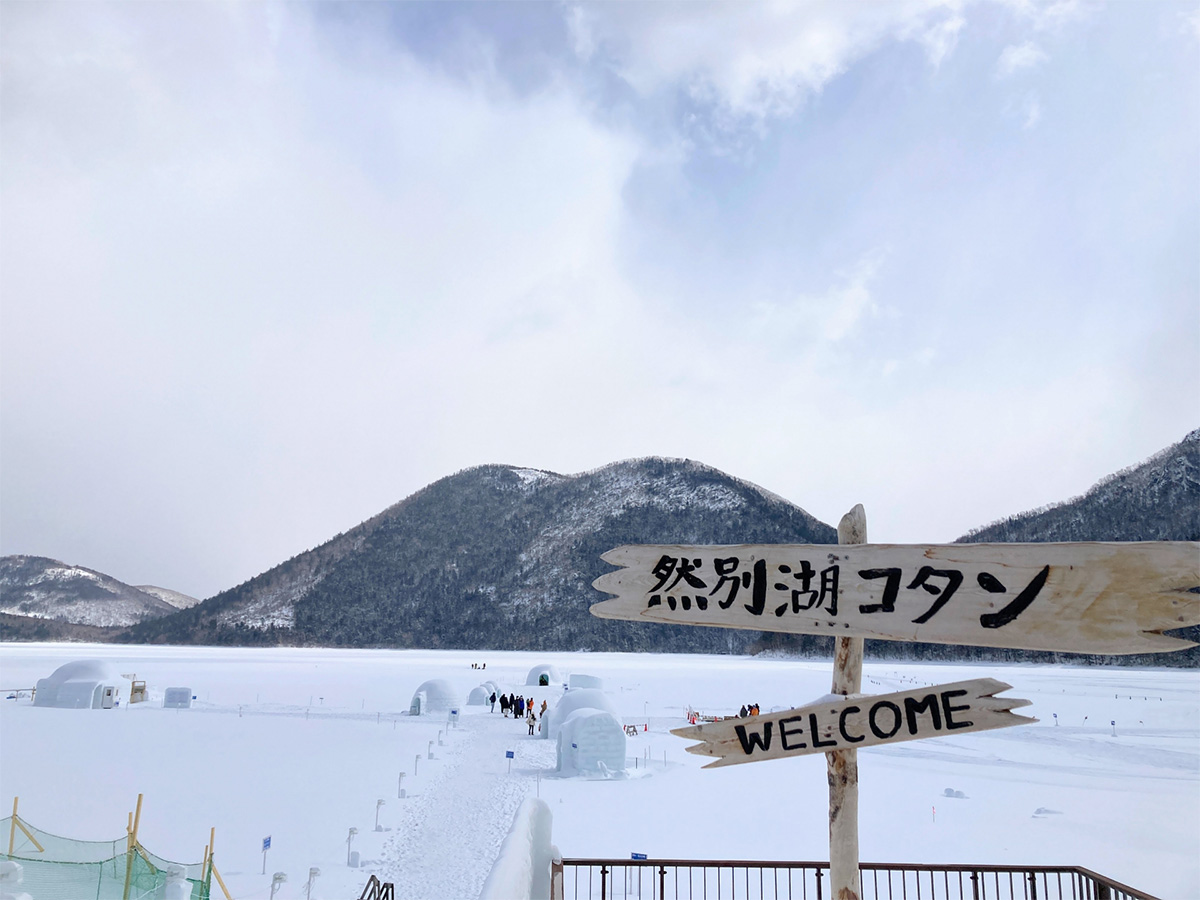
435, 695
479, 695
585, 681
543, 676
583, 698
591, 742
82, 684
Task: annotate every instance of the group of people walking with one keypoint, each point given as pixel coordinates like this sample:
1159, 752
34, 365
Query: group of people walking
749, 710
521, 708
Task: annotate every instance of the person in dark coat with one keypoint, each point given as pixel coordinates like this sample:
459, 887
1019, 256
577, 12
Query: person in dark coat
493, 701
504, 705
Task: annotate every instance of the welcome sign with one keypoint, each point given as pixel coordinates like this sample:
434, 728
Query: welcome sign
857, 721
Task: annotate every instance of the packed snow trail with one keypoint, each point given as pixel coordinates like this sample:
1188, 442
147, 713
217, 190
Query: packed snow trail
460, 807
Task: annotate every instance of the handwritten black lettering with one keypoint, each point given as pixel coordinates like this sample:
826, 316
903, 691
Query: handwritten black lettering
785, 734
846, 736
1002, 617
898, 719
816, 734
953, 579
913, 708
949, 710
752, 739
890, 589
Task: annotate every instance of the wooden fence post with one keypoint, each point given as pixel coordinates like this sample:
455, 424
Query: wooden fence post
556, 879
842, 765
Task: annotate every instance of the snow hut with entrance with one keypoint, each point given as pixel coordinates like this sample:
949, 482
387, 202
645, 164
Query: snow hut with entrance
543, 676
435, 695
82, 684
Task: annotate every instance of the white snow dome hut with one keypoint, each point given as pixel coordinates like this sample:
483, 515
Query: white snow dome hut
479, 695
83, 684
435, 695
543, 676
585, 681
583, 698
591, 742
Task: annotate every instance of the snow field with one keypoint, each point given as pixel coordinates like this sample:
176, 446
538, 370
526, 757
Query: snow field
300, 744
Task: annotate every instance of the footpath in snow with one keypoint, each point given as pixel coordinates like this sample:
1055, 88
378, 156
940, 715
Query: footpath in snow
452, 824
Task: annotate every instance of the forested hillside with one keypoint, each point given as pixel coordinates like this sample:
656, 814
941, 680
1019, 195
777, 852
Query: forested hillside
498, 557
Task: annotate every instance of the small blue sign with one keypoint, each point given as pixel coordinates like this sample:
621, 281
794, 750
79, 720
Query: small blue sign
638, 856
508, 754
266, 843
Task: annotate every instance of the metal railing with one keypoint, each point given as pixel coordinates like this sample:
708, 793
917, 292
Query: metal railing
682, 879
374, 890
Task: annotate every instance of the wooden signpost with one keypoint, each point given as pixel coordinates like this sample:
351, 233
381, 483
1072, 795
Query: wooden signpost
1112, 598
1075, 598
958, 708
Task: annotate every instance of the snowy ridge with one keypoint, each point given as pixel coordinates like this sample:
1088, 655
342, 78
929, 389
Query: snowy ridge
1156, 500
42, 588
495, 555
175, 598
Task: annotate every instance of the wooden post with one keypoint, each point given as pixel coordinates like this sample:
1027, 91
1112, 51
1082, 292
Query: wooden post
842, 765
133, 831
12, 828
220, 880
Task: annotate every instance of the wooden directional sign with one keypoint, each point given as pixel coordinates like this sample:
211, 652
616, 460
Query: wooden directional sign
852, 722
1075, 598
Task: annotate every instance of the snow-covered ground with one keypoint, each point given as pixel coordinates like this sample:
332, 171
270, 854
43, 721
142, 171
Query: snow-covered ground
301, 744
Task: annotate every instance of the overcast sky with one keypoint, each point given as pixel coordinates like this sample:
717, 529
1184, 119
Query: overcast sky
267, 269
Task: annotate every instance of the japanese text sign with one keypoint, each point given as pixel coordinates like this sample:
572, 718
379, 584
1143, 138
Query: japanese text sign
1077, 598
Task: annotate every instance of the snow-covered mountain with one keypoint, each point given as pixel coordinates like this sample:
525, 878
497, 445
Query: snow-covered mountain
38, 587
498, 556
503, 557
174, 598
1157, 500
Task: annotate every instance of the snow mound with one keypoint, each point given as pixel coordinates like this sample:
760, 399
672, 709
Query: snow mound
435, 695
536, 674
583, 698
479, 695
591, 741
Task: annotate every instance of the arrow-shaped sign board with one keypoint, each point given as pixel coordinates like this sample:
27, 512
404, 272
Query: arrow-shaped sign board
1076, 598
857, 721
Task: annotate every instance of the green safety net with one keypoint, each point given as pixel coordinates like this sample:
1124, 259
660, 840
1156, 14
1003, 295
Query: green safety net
67, 869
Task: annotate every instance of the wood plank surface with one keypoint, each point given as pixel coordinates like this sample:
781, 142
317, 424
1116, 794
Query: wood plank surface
1072, 597
857, 721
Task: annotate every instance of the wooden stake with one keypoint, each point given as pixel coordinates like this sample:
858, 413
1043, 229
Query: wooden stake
12, 831
133, 832
842, 765
220, 880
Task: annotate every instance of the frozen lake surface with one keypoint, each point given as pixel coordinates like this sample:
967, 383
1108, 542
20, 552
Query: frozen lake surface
301, 744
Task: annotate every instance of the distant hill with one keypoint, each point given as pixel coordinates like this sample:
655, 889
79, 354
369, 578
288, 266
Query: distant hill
502, 557
42, 588
173, 598
1157, 500
498, 557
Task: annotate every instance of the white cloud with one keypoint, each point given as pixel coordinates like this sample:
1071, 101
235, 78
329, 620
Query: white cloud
826, 319
320, 273
1017, 57
1191, 23
755, 60
1051, 15
1032, 109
